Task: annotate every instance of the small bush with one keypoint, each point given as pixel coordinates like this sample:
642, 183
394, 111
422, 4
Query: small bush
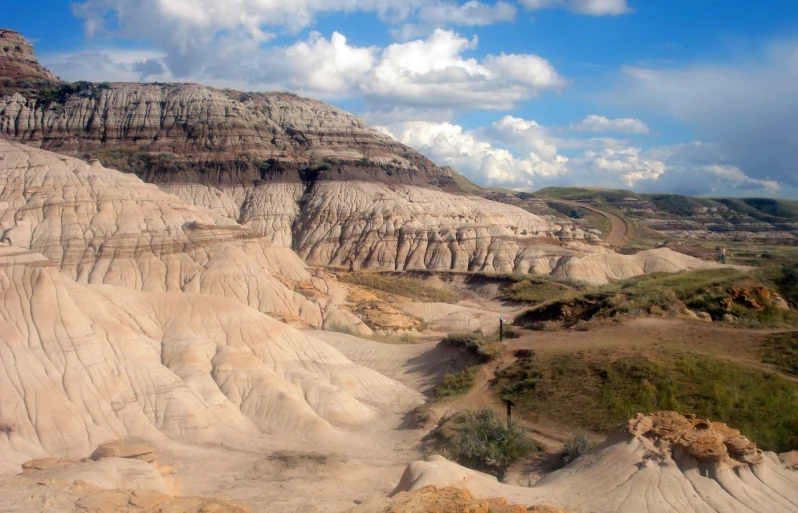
788, 283
483, 442
407, 338
576, 446
341, 328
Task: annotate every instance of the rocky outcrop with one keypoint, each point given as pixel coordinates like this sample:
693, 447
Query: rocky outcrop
17, 61
187, 133
122, 482
431, 498
659, 462
111, 466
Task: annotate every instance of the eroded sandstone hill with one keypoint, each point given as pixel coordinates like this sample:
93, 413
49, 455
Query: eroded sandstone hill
305, 174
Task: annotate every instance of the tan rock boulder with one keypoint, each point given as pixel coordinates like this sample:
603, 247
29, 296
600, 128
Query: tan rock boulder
119, 449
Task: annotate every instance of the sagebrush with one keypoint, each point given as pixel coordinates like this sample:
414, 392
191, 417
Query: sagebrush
483, 442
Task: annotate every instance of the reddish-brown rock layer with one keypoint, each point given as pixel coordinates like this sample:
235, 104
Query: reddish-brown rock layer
17, 61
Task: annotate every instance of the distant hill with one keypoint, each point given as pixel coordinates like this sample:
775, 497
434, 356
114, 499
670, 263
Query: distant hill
691, 217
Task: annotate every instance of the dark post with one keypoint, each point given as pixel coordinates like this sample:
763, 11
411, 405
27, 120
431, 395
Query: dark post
501, 334
509, 412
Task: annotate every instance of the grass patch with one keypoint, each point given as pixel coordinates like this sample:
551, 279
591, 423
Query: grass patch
481, 441
781, 351
537, 289
400, 286
596, 391
456, 384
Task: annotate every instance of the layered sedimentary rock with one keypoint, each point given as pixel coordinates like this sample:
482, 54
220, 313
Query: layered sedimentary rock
102, 226
655, 463
187, 133
17, 61
301, 174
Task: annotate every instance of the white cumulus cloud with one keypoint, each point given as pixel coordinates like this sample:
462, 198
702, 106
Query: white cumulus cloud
449, 145
522, 154
433, 73
600, 124
318, 64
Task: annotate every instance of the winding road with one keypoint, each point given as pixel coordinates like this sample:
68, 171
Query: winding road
618, 226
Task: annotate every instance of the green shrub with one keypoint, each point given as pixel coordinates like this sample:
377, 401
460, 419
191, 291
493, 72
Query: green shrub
535, 326
788, 283
576, 446
483, 442
475, 344
341, 328
537, 289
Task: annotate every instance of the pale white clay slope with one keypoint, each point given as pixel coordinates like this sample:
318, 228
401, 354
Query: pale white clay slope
84, 364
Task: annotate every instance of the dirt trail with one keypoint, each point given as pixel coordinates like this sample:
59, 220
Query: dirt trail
481, 396
618, 225
650, 334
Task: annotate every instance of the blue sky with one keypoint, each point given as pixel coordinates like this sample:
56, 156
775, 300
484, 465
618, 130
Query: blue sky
687, 96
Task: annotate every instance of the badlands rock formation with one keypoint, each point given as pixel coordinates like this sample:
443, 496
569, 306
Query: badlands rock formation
17, 60
102, 226
663, 462
391, 226
305, 175
109, 227
134, 321
187, 133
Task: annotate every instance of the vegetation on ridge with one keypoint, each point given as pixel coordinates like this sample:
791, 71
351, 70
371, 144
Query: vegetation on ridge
382, 283
597, 390
708, 290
